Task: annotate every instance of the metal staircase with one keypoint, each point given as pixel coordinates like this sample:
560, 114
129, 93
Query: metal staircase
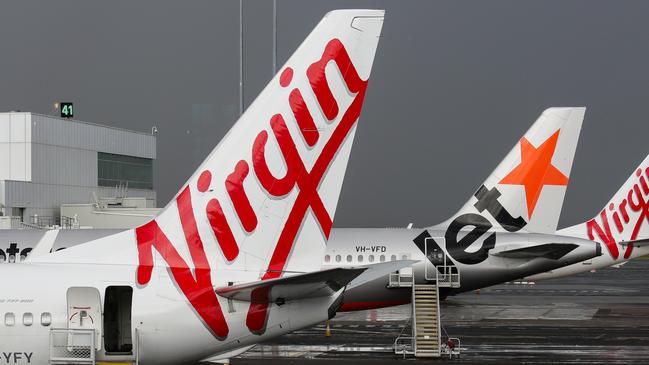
439, 272
426, 321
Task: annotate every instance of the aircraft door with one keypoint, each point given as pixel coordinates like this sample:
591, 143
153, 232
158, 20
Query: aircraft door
118, 339
84, 312
436, 259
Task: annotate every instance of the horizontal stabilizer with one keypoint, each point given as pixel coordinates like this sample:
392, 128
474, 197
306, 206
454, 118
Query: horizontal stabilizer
552, 251
44, 245
310, 285
301, 286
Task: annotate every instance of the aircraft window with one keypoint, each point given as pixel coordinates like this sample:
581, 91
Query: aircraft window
393, 258
338, 258
360, 258
10, 319
327, 258
28, 319
349, 258
404, 257
382, 258
46, 319
371, 258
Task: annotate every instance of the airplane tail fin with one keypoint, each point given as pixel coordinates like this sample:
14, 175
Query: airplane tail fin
527, 188
262, 203
267, 193
624, 218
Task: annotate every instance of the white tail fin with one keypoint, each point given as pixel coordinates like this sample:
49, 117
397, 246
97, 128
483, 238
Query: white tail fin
267, 194
527, 188
263, 201
624, 218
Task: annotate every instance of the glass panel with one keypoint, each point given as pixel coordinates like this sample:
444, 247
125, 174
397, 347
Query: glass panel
115, 169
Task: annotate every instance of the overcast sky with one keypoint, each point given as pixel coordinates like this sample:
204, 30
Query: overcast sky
454, 85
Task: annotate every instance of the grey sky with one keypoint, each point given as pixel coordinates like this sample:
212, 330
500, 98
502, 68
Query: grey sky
454, 85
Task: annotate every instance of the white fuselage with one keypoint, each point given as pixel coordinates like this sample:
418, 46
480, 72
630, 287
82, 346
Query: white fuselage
163, 327
352, 247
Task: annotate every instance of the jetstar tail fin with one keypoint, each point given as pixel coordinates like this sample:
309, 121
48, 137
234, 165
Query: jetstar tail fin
527, 188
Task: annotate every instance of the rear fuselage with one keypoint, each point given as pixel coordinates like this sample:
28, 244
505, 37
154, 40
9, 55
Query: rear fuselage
156, 323
478, 268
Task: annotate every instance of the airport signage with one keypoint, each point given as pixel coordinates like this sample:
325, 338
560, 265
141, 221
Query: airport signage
67, 110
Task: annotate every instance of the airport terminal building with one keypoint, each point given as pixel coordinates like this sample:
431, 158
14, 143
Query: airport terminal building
47, 161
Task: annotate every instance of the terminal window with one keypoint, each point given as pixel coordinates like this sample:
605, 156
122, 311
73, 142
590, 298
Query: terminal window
115, 170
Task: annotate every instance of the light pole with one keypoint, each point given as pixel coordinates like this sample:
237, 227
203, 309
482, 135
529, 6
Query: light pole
240, 57
274, 37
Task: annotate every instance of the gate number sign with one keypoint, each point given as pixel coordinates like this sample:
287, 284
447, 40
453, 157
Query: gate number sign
67, 110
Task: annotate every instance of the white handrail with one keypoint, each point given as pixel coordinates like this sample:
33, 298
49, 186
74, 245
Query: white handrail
137, 346
72, 346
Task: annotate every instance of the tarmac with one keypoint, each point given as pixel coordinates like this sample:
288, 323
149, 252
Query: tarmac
593, 318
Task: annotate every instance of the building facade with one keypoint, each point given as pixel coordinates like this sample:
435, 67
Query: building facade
47, 161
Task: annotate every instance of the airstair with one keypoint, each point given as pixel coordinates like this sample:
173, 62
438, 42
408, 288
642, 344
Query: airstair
426, 321
426, 338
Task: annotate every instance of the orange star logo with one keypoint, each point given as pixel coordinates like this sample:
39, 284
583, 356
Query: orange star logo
536, 170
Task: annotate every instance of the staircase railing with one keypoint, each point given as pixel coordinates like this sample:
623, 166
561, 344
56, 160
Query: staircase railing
72, 346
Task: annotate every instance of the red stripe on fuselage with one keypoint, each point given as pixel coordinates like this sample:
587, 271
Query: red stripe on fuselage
360, 306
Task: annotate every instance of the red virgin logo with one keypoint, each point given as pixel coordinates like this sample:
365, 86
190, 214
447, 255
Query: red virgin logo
632, 211
197, 287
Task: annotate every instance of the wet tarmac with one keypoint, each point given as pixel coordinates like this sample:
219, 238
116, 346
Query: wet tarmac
592, 318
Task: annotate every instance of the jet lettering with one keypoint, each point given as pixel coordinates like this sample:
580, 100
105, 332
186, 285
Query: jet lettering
487, 200
13, 253
458, 248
